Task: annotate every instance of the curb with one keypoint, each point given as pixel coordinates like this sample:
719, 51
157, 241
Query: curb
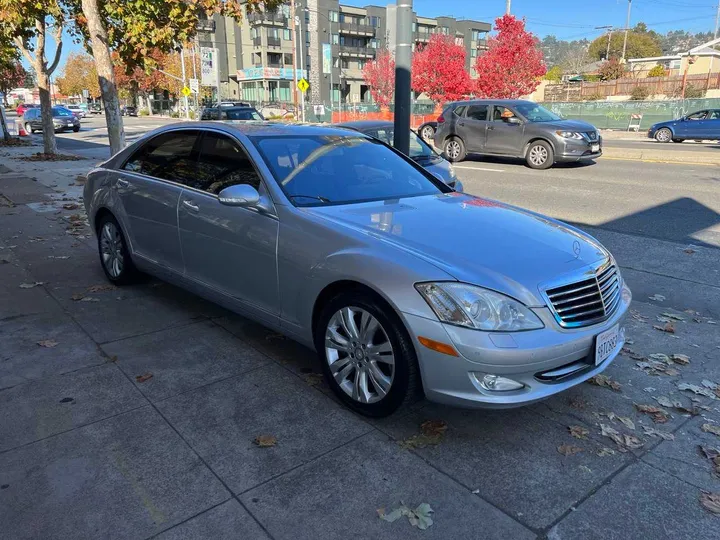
654, 156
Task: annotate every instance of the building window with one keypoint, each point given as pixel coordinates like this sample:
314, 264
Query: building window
361, 64
335, 39
374, 21
473, 53
414, 27
286, 34
272, 32
344, 63
675, 64
459, 40
284, 92
443, 30
254, 32
475, 34
336, 62
374, 43
287, 59
333, 16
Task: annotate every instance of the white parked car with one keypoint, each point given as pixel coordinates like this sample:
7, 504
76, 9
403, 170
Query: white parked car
77, 110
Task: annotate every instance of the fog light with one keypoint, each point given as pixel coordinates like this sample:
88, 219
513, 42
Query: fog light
495, 383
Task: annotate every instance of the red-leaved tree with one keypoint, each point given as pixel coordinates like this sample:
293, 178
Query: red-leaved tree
513, 63
12, 76
379, 75
438, 70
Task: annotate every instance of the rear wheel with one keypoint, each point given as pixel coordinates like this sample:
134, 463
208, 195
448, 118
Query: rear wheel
540, 155
76, 129
663, 135
114, 255
29, 128
454, 150
367, 356
427, 133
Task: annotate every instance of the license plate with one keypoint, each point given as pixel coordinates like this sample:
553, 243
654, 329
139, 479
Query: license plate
605, 344
595, 148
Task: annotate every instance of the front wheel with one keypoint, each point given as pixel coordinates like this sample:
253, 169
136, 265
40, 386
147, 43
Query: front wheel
76, 129
454, 150
663, 135
367, 356
540, 155
114, 255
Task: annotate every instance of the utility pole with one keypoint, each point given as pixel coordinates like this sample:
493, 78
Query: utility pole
715, 34
184, 81
627, 28
403, 51
295, 80
194, 59
609, 28
298, 26
507, 7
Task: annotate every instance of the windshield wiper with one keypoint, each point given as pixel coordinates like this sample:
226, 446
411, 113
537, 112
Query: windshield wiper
321, 199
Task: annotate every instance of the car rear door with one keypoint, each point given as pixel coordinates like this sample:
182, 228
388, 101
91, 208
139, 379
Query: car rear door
228, 248
711, 128
149, 187
503, 137
472, 128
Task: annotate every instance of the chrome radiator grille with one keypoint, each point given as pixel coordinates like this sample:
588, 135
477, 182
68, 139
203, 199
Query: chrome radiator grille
588, 301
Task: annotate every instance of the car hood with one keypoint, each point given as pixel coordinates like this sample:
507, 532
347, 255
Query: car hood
475, 240
439, 167
569, 125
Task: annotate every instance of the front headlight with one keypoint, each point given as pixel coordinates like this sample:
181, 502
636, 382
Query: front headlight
569, 134
475, 307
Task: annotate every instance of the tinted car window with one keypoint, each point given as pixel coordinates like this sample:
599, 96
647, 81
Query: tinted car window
170, 156
536, 113
460, 110
418, 147
477, 112
700, 115
241, 114
339, 170
57, 111
715, 115
223, 164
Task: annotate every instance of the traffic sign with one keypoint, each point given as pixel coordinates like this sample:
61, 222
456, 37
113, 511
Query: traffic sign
186, 91
303, 85
195, 86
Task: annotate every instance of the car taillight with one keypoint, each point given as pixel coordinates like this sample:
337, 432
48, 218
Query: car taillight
441, 119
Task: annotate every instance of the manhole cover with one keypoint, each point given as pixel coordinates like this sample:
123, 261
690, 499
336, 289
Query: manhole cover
4, 201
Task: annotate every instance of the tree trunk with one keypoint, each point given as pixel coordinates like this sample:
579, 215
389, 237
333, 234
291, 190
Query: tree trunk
6, 133
43, 80
106, 74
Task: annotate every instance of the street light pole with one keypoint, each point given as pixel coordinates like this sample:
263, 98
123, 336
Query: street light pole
403, 51
302, 65
507, 7
294, 57
182, 67
715, 34
627, 28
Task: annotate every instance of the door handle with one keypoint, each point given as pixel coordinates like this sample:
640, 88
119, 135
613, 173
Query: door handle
122, 183
191, 206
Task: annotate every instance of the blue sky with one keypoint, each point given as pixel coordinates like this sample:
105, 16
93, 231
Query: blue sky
566, 19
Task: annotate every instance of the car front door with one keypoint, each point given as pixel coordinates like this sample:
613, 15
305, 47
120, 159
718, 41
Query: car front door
472, 127
692, 126
228, 248
504, 132
36, 119
149, 187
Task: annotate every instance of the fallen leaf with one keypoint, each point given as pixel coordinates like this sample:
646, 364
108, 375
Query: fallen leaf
673, 316
434, 428
713, 454
627, 422
569, 450
689, 251
62, 257
637, 316
709, 384
605, 452
699, 390
100, 288
632, 354
432, 433
576, 402
420, 517
475, 491
657, 297
660, 357
604, 380
668, 328
31, 285
48, 343
657, 433
631, 441
658, 415
614, 434
579, 432
144, 377
265, 441
711, 428
681, 359
710, 501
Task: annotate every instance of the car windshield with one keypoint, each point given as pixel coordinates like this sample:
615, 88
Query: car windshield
536, 113
243, 114
419, 150
332, 169
61, 112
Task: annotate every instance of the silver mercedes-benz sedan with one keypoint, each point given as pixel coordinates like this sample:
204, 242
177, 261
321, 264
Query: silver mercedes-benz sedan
401, 284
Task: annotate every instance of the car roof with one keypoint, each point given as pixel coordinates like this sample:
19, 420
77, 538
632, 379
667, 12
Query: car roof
491, 102
362, 125
267, 129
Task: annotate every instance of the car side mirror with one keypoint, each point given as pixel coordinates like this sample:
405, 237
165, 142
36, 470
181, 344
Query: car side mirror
243, 195
514, 120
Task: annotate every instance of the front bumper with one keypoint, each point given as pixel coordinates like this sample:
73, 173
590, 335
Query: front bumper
569, 150
532, 358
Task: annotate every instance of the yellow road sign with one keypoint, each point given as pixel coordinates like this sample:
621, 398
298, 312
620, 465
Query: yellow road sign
303, 85
186, 91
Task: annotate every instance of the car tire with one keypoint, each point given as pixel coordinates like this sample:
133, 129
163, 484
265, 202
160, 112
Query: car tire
427, 133
540, 155
454, 149
114, 255
29, 128
678, 140
76, 129
663, 135
366, 382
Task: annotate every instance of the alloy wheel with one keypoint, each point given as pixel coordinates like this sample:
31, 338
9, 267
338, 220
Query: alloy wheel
359, 354
538, 155
427, 133
111, 249
663, 135
452, 149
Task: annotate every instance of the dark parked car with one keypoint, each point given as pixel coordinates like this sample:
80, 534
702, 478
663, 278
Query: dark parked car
243, 113
129, 111
62, 119
94, 108
514, 128
698, 125
213, 112
420, 152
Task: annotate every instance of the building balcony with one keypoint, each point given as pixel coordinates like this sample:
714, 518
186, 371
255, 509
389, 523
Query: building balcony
364, 52
356, 29
267, 19
422, 37
273, 42
274, 65
481, 43
257, 41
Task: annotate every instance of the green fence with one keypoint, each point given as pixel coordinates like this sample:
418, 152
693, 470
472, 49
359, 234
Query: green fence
617, 115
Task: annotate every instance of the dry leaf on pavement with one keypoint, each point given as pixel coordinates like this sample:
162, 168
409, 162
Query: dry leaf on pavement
144, 377
604, 380
673, 316
660, 357
569, 450
101, 288
713, 454
434, 428
579, 432
689, 251
658, 415
668, 328
31, 285
699, 390
605, 451
265, 441
48, 343
710, 501
711, 428
433, 432
681, 359
657, 433
657, 297
631, 441
420, 517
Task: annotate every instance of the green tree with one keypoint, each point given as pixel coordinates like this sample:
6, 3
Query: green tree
27, 24
554, 74
657, 71
639, 45
79, 74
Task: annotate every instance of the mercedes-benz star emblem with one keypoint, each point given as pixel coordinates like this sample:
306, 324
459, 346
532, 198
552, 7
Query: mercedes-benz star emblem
576, 249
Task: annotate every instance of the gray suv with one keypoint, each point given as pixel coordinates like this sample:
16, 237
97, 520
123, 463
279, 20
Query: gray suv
514, 128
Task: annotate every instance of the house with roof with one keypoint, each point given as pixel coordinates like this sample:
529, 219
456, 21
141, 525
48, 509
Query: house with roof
700, 60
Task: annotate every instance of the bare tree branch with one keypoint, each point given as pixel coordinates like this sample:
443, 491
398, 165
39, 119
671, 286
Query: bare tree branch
58, 50
24, 50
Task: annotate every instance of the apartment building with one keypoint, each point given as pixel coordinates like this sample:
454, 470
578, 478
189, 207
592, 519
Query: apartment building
333, 44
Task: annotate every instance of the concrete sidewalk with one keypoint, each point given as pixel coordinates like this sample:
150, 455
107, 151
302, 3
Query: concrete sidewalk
131, 413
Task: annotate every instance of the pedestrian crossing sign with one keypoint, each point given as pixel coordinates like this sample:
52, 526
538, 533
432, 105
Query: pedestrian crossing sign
186, 91
303, 85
